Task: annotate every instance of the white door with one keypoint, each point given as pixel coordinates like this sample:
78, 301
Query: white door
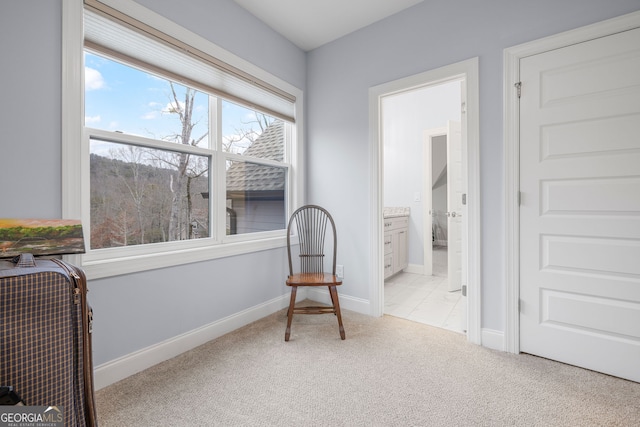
434, 213
580, 205
431, 174
454, 205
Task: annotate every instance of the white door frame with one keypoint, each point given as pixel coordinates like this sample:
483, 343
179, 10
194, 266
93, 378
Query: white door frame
511, 148
467, 70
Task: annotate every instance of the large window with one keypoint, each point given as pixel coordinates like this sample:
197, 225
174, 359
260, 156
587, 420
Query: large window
153, 159
184, 156
144, 190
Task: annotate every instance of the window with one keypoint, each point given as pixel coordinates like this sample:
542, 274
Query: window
146, 179
184, 156
256, 189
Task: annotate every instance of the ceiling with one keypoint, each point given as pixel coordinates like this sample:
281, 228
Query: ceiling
312, 23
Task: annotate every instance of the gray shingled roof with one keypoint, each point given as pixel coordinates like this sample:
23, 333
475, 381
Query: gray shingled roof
243, 176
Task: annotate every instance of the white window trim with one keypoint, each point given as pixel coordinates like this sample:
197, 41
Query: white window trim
75, 175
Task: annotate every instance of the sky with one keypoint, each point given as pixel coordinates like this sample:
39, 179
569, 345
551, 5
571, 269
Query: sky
124, 99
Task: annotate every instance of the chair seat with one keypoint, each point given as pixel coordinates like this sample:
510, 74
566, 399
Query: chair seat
313, 279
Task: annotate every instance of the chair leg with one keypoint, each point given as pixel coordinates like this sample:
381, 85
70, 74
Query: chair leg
333, 301
336, 307
292, 303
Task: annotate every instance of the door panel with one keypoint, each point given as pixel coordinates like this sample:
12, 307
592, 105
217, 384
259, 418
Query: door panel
580, 204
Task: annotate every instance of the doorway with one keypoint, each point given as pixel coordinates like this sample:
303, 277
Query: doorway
467, 73
428, 187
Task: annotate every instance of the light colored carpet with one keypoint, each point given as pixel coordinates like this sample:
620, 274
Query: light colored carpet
388, 372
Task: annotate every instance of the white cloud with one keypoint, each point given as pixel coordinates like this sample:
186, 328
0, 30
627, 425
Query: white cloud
150, 115
93, 79
172, 107
94, 119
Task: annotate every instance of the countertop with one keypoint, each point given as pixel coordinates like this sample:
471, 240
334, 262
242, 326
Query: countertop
392, 212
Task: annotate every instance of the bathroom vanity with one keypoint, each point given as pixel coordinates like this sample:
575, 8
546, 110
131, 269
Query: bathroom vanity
396, 241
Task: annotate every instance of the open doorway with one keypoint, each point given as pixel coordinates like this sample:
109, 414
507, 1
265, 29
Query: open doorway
421, 135
466, 73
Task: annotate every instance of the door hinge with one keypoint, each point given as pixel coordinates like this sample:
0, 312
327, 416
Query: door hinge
519, 88
519, 198
464, 290
464, 198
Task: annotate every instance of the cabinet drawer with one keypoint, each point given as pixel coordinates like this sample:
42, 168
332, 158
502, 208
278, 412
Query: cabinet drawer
396, 223
388, 265
388, 243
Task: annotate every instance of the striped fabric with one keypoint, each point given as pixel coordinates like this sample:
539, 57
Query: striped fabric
41, 341
25, 260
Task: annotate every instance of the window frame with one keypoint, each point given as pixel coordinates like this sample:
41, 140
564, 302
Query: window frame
75, 158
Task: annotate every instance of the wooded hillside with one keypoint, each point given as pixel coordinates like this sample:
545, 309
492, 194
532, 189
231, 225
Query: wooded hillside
131, 203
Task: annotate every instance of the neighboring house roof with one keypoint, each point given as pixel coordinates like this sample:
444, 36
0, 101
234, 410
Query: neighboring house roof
245, 176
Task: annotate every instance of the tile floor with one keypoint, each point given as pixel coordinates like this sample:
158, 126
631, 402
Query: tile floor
425, 299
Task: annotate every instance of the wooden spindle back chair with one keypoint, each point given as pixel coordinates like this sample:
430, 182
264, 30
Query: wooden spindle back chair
316, 232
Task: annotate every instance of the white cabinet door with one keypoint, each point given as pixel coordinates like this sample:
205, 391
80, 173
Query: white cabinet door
395, 245
400, 251
580, 205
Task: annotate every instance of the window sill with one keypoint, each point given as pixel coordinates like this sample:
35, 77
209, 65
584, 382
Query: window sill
133, 263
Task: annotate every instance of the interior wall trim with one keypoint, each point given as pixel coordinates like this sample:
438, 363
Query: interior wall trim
493, 339
115, 370
347, 302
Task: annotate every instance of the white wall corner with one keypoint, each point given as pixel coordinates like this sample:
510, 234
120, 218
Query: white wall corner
347, 302
414, 269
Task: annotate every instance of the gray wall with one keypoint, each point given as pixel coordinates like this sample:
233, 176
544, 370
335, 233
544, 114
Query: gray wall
132, 311
424, 37
30, 159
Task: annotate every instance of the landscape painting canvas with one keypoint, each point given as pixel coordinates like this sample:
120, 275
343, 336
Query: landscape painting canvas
40, 237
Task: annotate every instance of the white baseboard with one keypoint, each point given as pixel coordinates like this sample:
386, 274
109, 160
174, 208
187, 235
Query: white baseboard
347, 302
493, 339
123, 367
415, 269
441, 243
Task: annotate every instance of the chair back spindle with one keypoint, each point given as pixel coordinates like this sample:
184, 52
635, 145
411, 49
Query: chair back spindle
311, 223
